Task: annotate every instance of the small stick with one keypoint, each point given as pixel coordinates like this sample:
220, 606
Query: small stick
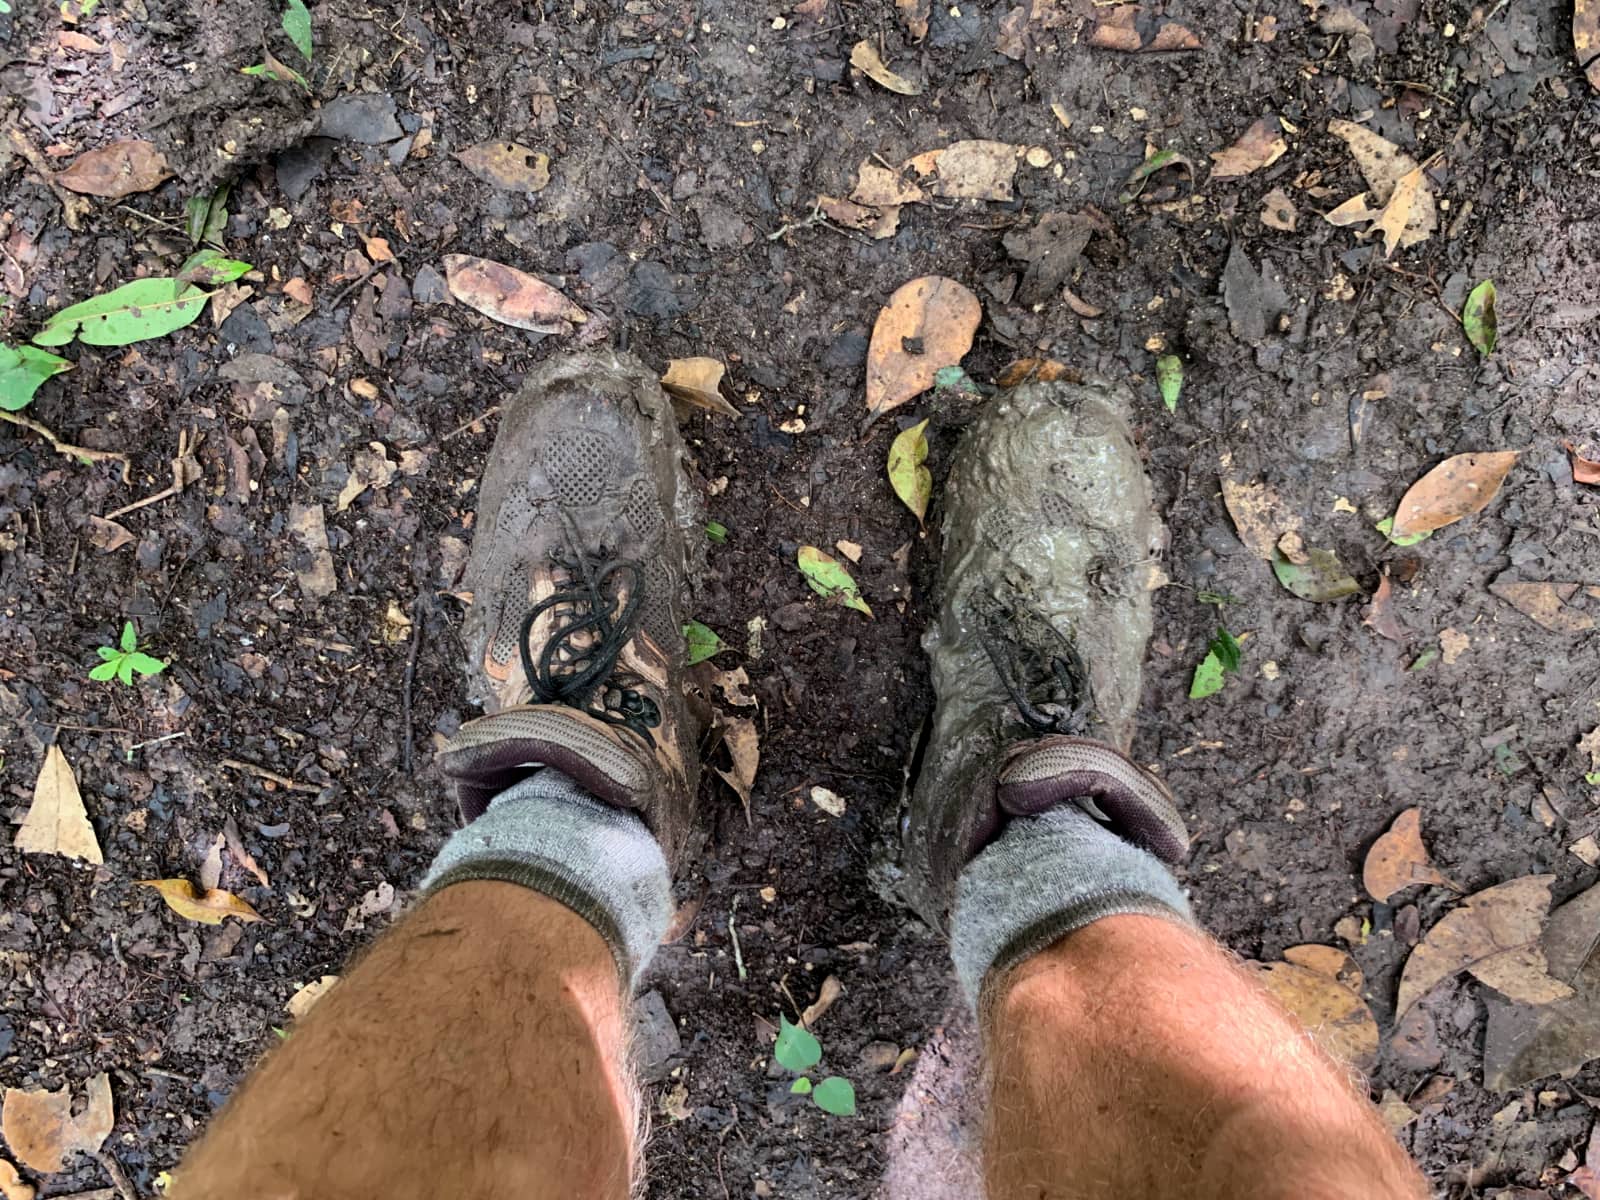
738, 954
118, 1176
411, 675
67, 448
74, 207
261, 772
483, 416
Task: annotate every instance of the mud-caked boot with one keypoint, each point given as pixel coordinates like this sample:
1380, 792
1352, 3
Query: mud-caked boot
1028, 819
580, 780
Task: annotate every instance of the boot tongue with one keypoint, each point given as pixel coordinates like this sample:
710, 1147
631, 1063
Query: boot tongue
488, 755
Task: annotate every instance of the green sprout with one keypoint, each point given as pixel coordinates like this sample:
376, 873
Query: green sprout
798, 1050
122, 661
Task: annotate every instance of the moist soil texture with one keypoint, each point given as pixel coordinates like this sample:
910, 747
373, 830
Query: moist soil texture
322, 429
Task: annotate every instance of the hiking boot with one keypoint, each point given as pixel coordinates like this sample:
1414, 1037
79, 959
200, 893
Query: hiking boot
1044, 612
578, 574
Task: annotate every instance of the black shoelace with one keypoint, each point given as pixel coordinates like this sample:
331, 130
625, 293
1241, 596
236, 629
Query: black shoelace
1064, 674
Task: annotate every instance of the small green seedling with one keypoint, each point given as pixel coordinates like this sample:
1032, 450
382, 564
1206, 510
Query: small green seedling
296, 24
716, 533
121, 662
798, 1050
1222, 659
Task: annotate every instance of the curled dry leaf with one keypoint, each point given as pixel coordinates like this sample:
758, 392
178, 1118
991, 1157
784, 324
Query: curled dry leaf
1379, 615
1399, 860
1327, 960
42, 1132
829, 992
118, 170
927, 324
698, 381
864, 57
507, 165
1458, 487
1260, 146
744, 750
971, 170
510, 296
1584, 470
56, 822
1337, 1018
300, 1003
210, 907
1547, 604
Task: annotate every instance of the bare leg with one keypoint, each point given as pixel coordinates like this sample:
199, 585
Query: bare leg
1131, 1058
477, 1051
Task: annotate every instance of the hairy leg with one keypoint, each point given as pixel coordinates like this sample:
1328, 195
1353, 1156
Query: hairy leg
478, 1051
1132, 1058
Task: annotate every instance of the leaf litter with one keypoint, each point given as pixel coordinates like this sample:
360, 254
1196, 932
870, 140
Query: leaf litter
1259, 146
510, 166
510, 296
698, 382
911, 480
865, 58
1458, 487
209, 907
928, 324
744, 752
829, 579
1385, 166
43, 1133
116, 171
1337, 1018
1548, 604
57, 822
1398, 860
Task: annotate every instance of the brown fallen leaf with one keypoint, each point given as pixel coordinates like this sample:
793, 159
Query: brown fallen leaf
107, 536
1379, 615
1031, 370
510, 296
972, 170
42, 1132
118, 170
1584, 470
915, 14
698, 381
507, 165
830, 991
1521, 974
1327, 960
879, 187
210, 907
864, 58
1586, 38
300, 1003
312, 561
298, 290
1337, 1018
1259, 516
1545, 604
369, 468
1396, 216
57, 822
1458, 487
877, 223
11, 1185
230, 833
1394, 1112
1117, 32
1278, 211
1506, 917
1259, 146
1399, 860
928, 324
744, 749
1384, 165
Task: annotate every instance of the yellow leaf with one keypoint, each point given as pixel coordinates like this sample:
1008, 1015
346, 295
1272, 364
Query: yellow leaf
698, 381
864, 58
300, 1003
209, 908
911, 481
57, 823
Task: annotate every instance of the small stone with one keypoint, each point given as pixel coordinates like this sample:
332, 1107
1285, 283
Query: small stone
1038, 156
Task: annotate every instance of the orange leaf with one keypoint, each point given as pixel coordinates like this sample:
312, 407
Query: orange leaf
43, 1133
1337, 1018
210, 907
118, 170
928, 324
1399, 860
510, 296
1456, 488
1584, 470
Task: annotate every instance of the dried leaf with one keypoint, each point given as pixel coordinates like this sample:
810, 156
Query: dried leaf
1259, 516
1545, 603
1117, 32
507, 165
107, 536
211, 864
312, 561
864, 58
927, 324
1337, 1018
11, 1185
1260, 146
911, 481
698, 381
43, 1133
210, 907
876, 223
827, 578
1395, 1113
1522, 975
879, 187
1586, 38
1031, 370
1456, 488
1397, 215
1327, 960
118, 170
829, 992
369, 468
1321, 578
1384, 165
56, 822
1379, 615
971, 170
300, 1003
230, 832
372, 903
1493, 921
915, 14
744, 749
1478, 318
1278, 211
829, 802
510, 296
1399, 860
1584, 470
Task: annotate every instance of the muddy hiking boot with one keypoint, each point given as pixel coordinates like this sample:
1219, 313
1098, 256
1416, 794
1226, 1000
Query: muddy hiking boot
578, 573
1043, 614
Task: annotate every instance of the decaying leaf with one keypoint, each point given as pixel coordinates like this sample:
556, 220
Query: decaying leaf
1584, 470
42, 1132
1399, 860
114, 171
1321, 578
829, 579
827, 994
1384, 165
57, 822
928, 324
828, 801
1259, 146
1456, 488
1397, 214
1379, 615
698, 381
1331, 961
507, 165
1155, 161
879, 187
210, 907
864, 58
744, 750
1336, 1017
1547, 604
1117, 31
107, 536
1259, 516
313, 561
510, 296
1478, 318
1278, 211
300, 1003
1031, 370
876, 223
369, 468
11, 1185
1586, 38
911, 481
1504, 918
915, 14
971, 170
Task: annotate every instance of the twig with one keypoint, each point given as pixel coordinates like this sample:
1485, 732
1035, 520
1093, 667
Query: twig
345, 292
282, 781
462, 428
185, 470
118, 1177
154, 220
738, 954
74, 207
67, 448
165, 737
411, 674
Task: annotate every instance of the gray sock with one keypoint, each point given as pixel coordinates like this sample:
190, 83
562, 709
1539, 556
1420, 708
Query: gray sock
548, 834
1042, 878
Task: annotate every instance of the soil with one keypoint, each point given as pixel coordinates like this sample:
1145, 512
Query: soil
687, 146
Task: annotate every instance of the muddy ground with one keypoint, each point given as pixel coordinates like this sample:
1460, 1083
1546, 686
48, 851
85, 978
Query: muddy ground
688, 143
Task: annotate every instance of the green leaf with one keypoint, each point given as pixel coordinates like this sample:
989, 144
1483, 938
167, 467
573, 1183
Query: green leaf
1141, 174
271, 68
22, 370
801, 1086
145, 308
952, 377
1207, 677
1320, 579
1592, 778
796, 1049
703, 642
145, 664
1226, 647
1217, 598
836, 1095
125, 672
1169, 378
297, 24
208, 268
106, 653
130, 638
828, 578
106, 669
910, 479
1424, 660
1386, 527
1478, 318
716, 532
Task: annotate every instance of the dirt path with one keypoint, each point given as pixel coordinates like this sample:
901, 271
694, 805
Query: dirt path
688, 145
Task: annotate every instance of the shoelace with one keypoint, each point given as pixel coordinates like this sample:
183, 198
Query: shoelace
589, 668
1066, 669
